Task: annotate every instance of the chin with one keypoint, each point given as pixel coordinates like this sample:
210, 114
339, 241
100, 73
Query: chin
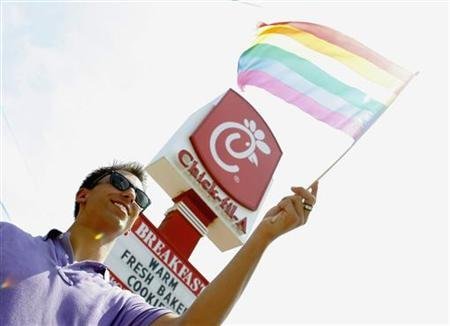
112, 224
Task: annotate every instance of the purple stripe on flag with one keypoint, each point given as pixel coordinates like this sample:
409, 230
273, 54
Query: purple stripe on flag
302, 101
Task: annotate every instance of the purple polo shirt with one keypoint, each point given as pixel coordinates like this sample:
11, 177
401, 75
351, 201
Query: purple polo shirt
42, 285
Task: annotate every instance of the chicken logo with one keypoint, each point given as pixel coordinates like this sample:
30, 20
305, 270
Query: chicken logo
237, 149
256, 140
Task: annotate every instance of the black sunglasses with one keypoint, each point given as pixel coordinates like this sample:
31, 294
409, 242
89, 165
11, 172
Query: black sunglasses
121, 183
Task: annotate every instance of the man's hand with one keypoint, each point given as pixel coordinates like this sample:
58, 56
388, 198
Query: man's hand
216, 300
290, 213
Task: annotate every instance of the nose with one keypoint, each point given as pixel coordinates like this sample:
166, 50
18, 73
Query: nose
129, 194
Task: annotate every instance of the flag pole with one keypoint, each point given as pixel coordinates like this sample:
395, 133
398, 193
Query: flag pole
335, 162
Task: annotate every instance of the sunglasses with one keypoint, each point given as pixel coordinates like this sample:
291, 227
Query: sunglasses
121, 183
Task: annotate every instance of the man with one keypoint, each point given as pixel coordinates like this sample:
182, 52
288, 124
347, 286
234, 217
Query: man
60, 279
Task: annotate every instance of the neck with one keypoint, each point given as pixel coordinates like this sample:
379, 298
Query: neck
88, 244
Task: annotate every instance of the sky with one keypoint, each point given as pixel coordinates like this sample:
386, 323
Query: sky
86, 83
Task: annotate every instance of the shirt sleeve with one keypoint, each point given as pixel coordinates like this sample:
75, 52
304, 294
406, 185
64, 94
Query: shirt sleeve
135, 311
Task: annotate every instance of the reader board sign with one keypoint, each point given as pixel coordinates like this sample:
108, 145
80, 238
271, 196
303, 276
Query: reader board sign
145, 263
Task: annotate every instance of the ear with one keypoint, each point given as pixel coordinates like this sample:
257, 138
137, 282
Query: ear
82, 195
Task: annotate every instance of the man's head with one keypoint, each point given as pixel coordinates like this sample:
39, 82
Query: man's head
112, 196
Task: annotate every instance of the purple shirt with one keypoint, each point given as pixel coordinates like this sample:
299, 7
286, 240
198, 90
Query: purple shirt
42, 285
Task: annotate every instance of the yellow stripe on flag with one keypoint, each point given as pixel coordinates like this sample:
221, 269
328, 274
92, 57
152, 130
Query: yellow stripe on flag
354, 62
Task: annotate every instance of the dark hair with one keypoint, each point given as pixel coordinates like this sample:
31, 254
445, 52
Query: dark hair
91, 180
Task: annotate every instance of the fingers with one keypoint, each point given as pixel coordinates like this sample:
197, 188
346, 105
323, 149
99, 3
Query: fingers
293, 207
297, 202
314, 187
308, 197
288, 205
273, 211
274, 218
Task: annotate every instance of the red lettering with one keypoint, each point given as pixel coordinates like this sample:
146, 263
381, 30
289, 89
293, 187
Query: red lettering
150, 238
183, 271
212, 191
227, 210
205, 184
196, 284
166, 256
242, 225
226, 204
185, 158
232, 210
142, 230
188, 278
193, 170
174, 263
201, 177
158, 246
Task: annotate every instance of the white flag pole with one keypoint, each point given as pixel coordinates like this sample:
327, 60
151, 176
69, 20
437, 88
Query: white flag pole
335, 162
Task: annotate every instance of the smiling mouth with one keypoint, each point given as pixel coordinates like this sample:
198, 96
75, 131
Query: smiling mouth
122, 207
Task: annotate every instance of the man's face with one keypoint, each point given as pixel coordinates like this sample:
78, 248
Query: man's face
109, 210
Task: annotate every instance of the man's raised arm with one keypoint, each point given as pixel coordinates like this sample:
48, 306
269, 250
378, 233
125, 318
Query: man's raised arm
218, 298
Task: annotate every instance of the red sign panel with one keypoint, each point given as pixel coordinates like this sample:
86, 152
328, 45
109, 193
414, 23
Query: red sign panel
238, 149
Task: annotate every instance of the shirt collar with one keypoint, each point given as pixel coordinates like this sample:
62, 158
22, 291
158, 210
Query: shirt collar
52, 234
65, 255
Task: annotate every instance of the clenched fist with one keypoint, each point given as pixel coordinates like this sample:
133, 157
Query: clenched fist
291, 212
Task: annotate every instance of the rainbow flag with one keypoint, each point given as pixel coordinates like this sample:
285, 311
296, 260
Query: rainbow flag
325, 73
